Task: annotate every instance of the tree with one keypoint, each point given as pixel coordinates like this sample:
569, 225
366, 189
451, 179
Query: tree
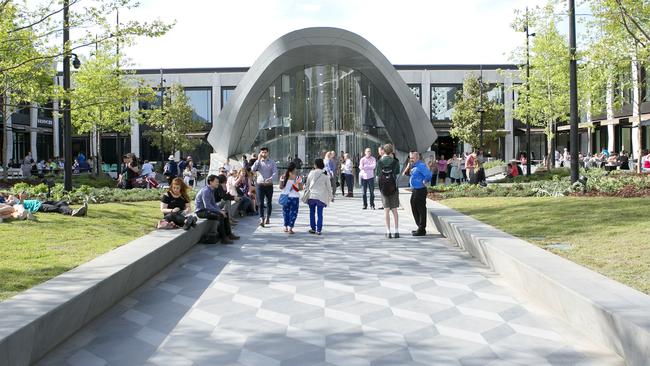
625, 27
101, 98
544, 97
173, 121
466, 118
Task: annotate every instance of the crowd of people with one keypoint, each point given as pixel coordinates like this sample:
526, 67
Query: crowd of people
460, 168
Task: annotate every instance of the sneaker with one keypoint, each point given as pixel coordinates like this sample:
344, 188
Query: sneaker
312, 231
318, 233
396, 236
262, 222
233, 237
81, 211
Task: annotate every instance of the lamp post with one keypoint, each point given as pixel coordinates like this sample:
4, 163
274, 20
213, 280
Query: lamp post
162, 105
528, 35
573, 88
480, 109
67, 123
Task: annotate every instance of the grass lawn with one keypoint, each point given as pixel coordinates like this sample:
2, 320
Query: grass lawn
608, 235
32, 252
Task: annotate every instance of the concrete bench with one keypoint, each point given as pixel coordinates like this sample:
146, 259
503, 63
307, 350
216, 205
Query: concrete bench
35, 321
605, 311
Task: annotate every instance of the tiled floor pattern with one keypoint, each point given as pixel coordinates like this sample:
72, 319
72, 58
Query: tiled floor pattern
349, 297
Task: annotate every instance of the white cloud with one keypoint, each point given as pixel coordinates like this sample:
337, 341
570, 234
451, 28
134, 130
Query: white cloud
234, 33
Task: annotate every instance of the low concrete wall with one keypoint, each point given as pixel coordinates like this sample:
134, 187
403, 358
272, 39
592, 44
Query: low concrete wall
33, 322
605, 311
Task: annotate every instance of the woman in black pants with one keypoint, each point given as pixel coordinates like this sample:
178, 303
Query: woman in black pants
176, 205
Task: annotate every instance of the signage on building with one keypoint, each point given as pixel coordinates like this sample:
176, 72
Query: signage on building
43, 122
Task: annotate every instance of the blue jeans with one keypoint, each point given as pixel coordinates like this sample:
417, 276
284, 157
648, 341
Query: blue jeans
316, 225
290, 211
368, 184
349, 181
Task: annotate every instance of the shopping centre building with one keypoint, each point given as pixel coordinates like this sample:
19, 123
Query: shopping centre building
320, 89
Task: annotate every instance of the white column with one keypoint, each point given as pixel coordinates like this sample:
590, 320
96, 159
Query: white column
509, 123
55, 128
426, 93
216, 96
9, 135
135, 128
610, 115
342, 146
33, 123
301, 148
636, 119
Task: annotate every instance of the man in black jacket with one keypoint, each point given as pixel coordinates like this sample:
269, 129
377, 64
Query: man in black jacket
223, 198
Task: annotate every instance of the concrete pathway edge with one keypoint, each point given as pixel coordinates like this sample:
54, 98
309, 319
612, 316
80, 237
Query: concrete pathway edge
35, 321
605, 311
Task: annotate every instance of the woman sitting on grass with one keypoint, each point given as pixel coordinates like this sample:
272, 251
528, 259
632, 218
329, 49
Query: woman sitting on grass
176, 205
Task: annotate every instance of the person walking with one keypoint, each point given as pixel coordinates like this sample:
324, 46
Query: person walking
318, 195
388, 170
291, 185
331, 167
347, 174
420, 175
267, 171
367, 166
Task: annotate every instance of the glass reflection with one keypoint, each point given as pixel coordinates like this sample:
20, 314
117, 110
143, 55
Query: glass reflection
201, 102
312, 109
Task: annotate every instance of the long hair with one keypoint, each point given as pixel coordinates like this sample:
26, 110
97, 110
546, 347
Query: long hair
290, 168
184, 188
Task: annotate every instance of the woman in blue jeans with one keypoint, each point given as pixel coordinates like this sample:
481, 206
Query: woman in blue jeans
319, 191
291, 185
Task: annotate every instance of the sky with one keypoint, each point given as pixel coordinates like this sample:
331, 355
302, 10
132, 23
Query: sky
234, 33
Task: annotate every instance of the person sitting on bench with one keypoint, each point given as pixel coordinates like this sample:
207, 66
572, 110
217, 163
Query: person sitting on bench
207, 208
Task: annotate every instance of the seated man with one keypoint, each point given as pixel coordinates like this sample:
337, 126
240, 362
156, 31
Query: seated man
33, 206
207, 208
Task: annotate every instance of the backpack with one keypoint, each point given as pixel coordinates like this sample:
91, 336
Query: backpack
387, 179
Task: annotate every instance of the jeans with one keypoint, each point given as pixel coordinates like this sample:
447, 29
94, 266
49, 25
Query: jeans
419, 208
349, 181
55, 206
264, 191
368, 184
290, 211
244, 204
177, 218
313, 223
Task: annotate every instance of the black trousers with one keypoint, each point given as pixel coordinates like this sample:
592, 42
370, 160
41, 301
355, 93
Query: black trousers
222, 222
264, 191
419, 208
55, 206
177, 218
343, 178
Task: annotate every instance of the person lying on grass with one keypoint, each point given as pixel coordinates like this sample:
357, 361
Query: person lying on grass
32, 206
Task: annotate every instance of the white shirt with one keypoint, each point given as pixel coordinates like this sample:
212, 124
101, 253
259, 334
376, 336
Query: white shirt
147, 169
288, 189
347, 168
227, 167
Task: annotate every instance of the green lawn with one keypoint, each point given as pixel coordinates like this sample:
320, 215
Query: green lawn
608, 235
34, 251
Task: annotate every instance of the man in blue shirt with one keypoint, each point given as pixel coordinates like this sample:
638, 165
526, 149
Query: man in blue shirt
207, 208
267, 172
420, 175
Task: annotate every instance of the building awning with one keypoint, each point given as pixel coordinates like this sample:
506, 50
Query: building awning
609, 122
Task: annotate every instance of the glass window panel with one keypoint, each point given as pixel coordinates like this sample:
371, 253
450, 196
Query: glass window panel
416, 89
201, 101
443, 98
226, 94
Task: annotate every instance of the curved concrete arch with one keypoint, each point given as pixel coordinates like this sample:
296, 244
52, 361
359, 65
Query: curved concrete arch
317, 46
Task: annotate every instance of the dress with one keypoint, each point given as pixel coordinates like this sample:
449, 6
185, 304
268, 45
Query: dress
456, 173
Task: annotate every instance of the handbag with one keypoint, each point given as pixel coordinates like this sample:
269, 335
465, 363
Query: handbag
284, 199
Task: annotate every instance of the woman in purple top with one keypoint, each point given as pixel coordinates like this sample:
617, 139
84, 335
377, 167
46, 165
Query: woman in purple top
442, 170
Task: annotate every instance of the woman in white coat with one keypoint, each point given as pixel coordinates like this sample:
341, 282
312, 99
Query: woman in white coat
318, 195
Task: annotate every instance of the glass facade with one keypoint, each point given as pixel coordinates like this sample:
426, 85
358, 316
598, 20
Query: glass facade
312, 109
226, 93
443, 98
416, 89
201, 101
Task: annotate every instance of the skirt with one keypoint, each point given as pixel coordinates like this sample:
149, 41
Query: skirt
391, 201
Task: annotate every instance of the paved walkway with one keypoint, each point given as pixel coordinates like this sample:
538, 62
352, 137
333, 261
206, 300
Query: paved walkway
348, 297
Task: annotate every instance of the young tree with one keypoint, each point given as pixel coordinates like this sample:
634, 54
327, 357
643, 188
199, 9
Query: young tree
173, 121
102, 96
466, 118
544, 97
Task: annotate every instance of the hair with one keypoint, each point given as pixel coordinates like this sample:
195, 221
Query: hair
211, 177
318, 163
388, 149
264, 149
184, 188
290, 168
221, 178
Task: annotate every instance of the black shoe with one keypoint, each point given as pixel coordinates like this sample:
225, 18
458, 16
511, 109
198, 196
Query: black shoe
365, 208
380, 208
312, 231
233, 237
226, 241
372, 207
396, 236
262, 222
188, 223
419, 233
389, 236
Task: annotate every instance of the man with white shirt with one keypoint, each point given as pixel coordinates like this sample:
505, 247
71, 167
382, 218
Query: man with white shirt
267, 172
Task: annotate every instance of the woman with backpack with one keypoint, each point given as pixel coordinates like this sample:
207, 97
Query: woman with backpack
388, 170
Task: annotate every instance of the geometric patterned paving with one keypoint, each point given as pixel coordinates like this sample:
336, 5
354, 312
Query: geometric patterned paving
349, 297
